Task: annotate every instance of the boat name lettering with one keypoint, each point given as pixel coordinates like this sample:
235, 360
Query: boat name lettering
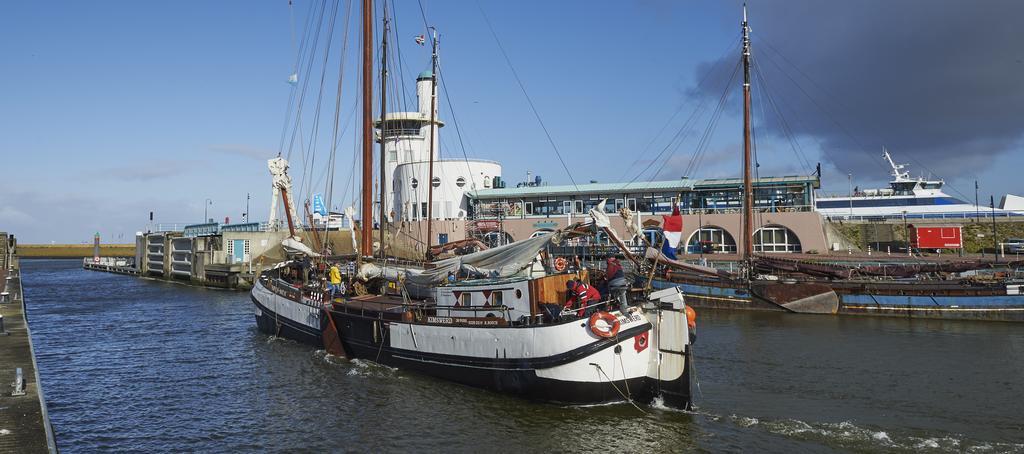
463, 321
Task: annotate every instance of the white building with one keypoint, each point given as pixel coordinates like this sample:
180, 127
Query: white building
407, 137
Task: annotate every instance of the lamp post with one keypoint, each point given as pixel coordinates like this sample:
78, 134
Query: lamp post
206, 206
977, 209
995, 239
906, 233
849, 177
245, 219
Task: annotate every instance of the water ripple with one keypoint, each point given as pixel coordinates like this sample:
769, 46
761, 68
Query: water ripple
133, 365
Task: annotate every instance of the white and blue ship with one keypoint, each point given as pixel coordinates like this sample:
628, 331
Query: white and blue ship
913, 198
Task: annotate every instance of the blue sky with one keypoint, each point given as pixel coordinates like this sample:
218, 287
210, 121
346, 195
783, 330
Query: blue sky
113, 109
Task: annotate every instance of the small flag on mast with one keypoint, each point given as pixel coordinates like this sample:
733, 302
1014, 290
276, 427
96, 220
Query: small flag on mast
293, 79
421, 39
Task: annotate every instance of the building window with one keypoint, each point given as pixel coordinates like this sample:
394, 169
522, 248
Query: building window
487, 182
414, 183
776, 238
460, 182
528, 208
711, 240
423, 210
436, 182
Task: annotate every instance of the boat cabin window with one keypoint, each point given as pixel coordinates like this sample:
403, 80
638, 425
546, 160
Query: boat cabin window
496, 299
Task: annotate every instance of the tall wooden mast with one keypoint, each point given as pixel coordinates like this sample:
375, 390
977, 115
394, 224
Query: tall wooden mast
748, 190
366, 243
383, 135
433, 130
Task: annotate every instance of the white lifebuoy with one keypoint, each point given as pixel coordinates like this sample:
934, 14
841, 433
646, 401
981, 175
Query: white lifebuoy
561, 264
611, 324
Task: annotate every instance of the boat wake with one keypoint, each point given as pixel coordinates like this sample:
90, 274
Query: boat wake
848, 435
357, 367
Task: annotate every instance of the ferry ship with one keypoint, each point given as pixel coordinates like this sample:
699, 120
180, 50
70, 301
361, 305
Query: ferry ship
914, 198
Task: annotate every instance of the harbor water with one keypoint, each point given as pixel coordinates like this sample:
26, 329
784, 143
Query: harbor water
131, 364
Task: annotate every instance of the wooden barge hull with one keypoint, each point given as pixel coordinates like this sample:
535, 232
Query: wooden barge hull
938, 300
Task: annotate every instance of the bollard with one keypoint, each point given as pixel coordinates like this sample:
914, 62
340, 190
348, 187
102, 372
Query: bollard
2, 331
19, 383
5, 297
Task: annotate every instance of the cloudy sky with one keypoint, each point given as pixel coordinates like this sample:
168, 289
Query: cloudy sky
114, 109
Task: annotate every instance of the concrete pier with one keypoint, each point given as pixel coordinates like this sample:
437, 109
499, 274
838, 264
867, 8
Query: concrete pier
24, 424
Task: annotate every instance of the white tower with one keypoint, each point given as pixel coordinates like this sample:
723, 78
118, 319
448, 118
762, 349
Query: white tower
406, 136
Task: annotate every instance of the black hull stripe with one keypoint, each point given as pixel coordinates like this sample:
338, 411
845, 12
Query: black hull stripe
289, 329
526, 384
352, 336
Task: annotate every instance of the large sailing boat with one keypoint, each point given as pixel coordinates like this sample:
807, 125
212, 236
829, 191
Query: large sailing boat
492, 319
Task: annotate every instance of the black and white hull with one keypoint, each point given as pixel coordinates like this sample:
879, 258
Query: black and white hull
564, 362
283, 311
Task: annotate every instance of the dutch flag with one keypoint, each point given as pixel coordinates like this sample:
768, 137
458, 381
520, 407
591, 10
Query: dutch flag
672, 227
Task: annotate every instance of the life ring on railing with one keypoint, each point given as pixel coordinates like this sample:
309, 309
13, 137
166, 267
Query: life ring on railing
561, 264
611, 324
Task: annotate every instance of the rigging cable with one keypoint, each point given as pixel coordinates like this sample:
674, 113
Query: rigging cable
525, 94
295, 71
337, 113
713, 69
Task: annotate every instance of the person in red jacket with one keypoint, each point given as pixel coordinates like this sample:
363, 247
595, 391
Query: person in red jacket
581, 295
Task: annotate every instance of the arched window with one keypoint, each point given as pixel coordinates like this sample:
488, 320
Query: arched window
495, 239
487, 182
460, 182
540, 232
711, 240
414, 183
776, 238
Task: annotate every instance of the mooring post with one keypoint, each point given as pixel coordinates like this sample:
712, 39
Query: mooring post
2, 331
19, 383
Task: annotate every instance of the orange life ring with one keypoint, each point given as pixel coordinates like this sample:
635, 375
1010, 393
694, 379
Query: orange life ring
561, 264
611, 322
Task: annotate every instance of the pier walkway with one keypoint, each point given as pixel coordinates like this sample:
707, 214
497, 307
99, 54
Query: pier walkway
24, 424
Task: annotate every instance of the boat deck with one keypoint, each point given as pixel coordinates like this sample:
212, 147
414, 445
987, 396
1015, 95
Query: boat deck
375, 303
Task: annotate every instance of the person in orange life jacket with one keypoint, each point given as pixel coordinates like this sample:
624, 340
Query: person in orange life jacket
581, 294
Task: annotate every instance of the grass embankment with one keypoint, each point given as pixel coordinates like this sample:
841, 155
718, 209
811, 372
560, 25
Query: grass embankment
71, 251
977, 235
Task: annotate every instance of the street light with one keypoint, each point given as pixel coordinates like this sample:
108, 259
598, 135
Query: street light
995, 239
906, 234
849, 178
206, 206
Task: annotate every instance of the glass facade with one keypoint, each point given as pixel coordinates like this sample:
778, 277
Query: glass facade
772, 197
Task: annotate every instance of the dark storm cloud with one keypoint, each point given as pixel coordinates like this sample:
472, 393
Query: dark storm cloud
940, 83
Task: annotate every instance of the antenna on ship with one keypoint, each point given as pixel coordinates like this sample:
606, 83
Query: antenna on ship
748, 195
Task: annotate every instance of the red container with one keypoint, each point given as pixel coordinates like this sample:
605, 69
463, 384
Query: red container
936, 237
